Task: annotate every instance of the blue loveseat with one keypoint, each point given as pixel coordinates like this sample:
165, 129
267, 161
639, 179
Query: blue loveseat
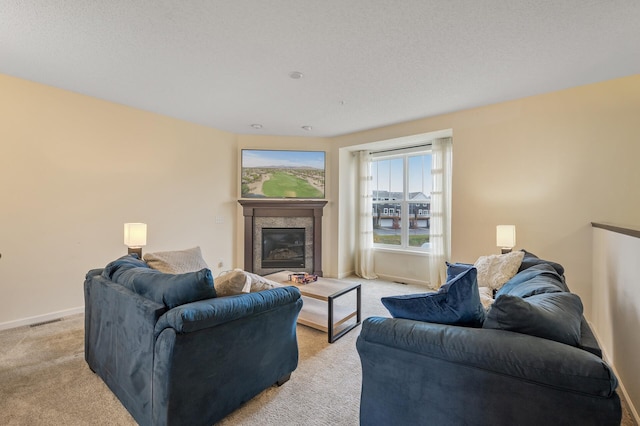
511, 368
173, 353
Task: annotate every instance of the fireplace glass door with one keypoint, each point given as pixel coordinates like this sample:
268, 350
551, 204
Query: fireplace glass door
283, 248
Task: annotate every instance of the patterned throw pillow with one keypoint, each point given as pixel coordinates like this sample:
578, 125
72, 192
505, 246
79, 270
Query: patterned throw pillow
231, 283
239, 281
496, 269
259, 283
176, 262
486, 297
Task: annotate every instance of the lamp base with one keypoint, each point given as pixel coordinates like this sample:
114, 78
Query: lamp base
135, 250
505, 250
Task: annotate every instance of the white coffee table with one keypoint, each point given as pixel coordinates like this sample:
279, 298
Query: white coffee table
319, 310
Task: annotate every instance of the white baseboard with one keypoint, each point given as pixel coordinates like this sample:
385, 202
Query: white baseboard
392, 278
345, 274
607, 358
41, 318
403, 280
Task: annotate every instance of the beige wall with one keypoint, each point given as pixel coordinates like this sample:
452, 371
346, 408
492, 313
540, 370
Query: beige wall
74, 169
549, 164
616, 307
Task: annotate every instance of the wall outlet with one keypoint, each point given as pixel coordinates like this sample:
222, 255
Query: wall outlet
220, 263
219, 219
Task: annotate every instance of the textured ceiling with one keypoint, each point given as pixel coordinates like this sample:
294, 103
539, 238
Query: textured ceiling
366, 63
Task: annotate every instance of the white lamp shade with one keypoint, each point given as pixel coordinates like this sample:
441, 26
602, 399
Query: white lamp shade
506, 236
135, 234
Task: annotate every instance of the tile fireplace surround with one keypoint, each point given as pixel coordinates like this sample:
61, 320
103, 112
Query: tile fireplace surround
261, 213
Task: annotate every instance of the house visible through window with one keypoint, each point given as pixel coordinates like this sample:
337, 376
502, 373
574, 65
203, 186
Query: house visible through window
402, 198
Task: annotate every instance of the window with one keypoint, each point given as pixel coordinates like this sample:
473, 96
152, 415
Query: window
401, 199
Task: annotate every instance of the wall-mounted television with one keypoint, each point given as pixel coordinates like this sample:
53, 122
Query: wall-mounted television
282, 174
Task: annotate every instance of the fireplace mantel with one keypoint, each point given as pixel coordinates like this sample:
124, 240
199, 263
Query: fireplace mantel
252, 209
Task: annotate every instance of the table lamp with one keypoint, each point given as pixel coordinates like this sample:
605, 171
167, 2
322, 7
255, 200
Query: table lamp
506, 237
135, 237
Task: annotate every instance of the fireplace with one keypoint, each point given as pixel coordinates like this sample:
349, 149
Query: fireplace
283, 248
282, 234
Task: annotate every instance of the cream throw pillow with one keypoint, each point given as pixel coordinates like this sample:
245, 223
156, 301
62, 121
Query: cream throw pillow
496, 269
259, 283
231, 282
239, 281
486, 297
176, 262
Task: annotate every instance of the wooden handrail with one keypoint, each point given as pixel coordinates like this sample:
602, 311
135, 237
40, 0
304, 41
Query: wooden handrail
632, 232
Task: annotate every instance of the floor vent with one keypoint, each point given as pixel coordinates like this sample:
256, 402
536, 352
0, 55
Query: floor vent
38, 324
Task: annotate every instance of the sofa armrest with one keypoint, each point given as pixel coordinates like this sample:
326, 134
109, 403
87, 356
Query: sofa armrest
111, 313
212, 355
515, 355
196, 316
119, 340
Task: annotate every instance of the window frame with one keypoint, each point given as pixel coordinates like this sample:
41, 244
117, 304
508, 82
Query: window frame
404, 203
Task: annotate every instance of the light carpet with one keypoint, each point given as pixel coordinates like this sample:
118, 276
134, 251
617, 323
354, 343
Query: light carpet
44, 379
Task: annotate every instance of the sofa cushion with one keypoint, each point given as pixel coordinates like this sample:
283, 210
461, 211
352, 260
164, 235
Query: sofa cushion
531, 259
113, 269
176, 262
529, 360
169, 289
538, 279
553, 316
496, 269
456, 303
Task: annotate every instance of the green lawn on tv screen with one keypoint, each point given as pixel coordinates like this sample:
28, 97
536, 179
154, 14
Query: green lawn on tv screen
284, 185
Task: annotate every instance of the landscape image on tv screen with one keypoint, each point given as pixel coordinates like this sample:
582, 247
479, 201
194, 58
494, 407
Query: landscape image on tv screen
282, 174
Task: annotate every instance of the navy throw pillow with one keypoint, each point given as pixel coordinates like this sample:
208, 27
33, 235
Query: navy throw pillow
455, 269
456, 303
553, 316
169, 289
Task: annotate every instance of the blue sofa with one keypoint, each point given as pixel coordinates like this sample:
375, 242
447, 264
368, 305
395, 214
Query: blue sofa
503, 371
173, 353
